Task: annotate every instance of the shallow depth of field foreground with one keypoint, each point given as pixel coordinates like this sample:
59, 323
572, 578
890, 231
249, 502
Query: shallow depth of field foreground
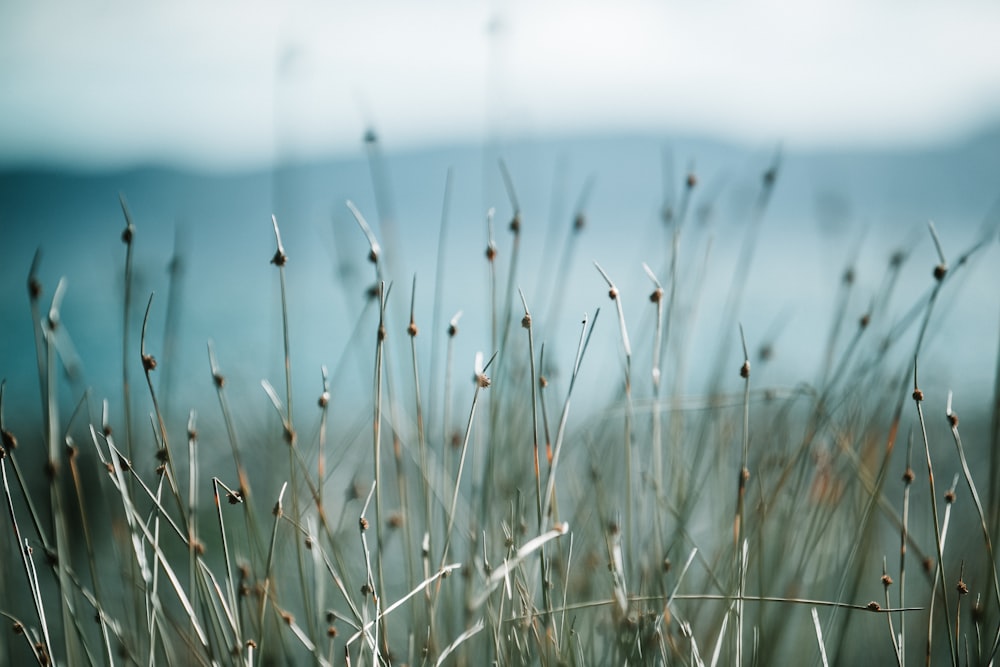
626, 483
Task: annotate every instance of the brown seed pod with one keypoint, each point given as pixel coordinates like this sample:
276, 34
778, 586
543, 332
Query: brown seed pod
8, 439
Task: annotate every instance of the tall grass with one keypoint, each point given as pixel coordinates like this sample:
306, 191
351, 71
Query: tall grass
495, 521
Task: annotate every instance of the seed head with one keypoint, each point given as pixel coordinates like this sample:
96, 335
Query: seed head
8, 439
148, 363
918, 395
770, 176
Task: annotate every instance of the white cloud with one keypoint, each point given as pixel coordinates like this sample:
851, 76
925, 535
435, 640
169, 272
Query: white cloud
230, 83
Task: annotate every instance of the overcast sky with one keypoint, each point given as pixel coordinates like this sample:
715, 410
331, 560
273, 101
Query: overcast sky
228, 83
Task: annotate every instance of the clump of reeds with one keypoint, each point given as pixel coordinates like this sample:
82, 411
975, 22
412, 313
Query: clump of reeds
493, 521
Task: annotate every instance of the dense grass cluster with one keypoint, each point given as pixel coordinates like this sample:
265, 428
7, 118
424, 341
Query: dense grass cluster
495, 522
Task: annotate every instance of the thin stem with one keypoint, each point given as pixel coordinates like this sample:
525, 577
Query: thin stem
918, 397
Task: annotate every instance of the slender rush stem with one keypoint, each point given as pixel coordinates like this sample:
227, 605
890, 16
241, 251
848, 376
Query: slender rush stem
918, 397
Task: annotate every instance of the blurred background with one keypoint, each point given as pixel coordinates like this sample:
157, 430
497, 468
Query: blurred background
770, 162
208, 119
